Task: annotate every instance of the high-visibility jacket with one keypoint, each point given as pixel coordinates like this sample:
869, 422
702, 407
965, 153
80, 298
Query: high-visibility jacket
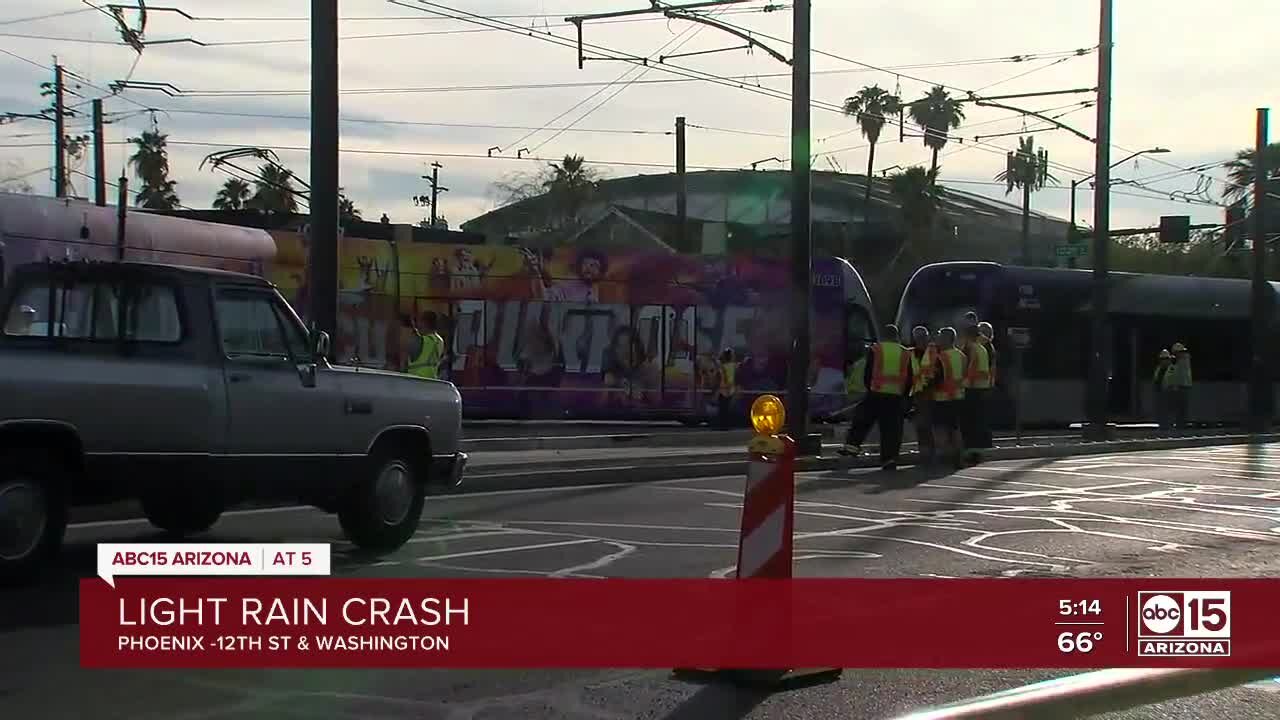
977, 371
890, 369
1162, 375
427, 363
950, 376
991, 356
728, 379
855, 382
926, 364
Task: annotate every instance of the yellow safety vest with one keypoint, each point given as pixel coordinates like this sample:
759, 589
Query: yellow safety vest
977, 372
923, 368
889, 373
728, 373
854, 382
427, 364
951, 365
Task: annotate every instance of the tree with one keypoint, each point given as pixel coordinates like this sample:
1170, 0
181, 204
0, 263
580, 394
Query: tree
919, 200
234, 195
570, 185
274, 192
150, 161
1027, 169
1241, 172
938, 113
871, 106
347, 210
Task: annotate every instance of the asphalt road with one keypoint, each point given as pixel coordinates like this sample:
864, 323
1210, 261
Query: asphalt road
1195, 512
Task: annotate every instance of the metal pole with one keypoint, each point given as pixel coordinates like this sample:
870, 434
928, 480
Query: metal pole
1071, 230
1260, 385
59, 136
682, 188
1097, 390
324, 165
801, 238
435, 191
122, 208
99, 157
1026, 224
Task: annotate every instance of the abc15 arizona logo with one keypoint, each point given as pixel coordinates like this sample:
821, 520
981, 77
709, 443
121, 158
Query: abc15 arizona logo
1184, 623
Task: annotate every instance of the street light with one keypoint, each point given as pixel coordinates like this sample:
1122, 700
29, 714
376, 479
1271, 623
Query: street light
1071, 231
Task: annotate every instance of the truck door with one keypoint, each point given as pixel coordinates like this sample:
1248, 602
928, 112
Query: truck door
278, 428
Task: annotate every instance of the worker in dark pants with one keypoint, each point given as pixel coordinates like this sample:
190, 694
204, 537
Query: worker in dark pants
977, 385
888, 378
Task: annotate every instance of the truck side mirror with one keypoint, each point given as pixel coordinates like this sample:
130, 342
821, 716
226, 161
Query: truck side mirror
320, 344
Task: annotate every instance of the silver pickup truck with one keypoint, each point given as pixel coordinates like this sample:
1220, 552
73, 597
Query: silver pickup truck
193, 390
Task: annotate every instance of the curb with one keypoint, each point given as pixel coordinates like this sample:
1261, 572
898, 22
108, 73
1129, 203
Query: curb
672, 468
686, 438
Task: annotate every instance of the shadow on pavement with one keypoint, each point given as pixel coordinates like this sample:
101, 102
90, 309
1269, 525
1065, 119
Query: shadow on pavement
718, 702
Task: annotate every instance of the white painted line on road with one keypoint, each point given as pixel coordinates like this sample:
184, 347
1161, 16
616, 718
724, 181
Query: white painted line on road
468, 535
623, 551
625, 526
496, 551
433, 498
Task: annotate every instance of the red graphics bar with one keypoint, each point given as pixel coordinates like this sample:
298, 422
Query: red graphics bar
745, 624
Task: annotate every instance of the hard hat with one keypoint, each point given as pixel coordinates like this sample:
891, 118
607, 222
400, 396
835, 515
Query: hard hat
1165, 354
27, 310
1179, 347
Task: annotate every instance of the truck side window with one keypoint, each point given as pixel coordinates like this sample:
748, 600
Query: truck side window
86, 311
250, 325
153, 315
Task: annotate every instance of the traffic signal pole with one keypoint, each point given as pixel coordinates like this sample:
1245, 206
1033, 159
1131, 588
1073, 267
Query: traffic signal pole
324, 166
1260, 392
801, 238
1099, 347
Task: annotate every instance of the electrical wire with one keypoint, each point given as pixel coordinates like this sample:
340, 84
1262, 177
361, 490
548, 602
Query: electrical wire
424, 123
33, 18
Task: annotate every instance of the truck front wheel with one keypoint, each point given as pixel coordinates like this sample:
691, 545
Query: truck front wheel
383, 509
33, 516
180, 515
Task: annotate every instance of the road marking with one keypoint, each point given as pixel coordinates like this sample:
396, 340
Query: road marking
496, 551
625, 526
599, 564
431, 498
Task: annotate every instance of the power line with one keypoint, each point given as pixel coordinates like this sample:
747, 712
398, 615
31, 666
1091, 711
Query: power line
33, 18
555, 85
737, 132
768, 7
424, 123
1028, 72
26, 60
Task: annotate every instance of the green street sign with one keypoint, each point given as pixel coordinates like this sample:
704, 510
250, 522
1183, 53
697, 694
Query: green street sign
1077, 250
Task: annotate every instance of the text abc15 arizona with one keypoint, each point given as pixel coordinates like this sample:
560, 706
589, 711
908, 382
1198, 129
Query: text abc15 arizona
1184, 623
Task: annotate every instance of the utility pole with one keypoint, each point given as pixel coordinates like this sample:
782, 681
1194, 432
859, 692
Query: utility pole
1098, 394
324, 249
122, 207
682, 188
59, 135
435, 190
801, 238
99, 157
1260, 382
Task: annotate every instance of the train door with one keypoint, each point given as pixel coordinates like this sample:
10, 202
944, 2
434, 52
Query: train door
679, 369
1122, 367
647, 356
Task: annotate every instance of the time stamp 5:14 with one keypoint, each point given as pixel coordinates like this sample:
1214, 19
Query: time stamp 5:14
1079, 625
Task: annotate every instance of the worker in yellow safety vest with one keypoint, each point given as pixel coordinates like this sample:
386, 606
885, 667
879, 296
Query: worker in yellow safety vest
727, 388
977, 387
986, 335
1179, 382
947, 388
428, 350
888, 377
924, 353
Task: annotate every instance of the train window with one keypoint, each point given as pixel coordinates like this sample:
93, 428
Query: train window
858, 324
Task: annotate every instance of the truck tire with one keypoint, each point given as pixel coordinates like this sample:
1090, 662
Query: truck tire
33, 514
180, 515
382, 511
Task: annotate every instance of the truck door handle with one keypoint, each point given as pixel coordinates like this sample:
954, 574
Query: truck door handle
238, 377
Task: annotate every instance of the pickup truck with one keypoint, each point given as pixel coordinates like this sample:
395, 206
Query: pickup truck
192, 390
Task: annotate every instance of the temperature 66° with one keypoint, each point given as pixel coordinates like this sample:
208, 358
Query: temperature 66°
1078, 642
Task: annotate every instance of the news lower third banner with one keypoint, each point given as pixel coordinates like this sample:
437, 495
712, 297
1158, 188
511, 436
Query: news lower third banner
314, 622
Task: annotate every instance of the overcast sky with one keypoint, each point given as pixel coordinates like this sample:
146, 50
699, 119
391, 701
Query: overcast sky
1186, 78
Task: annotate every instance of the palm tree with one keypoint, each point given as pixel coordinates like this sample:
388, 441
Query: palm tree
151, 163
347, 210
919, 200
234, 195
1027, 169
274, 191
570, 184
938, 113
871, 106
1241, 172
